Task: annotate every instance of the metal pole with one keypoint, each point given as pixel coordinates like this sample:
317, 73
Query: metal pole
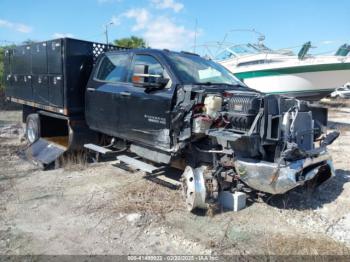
195, 36
106, 32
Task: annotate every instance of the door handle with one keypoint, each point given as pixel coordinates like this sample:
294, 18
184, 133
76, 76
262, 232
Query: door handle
125, 93
91, 89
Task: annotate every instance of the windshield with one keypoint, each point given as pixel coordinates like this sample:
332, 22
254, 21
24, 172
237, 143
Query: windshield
241, 50
244, 49
192, 69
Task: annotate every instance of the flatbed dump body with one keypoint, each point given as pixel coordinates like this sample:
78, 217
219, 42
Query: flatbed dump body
52, 75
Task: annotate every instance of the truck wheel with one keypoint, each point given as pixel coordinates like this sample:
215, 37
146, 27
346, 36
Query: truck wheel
33, 128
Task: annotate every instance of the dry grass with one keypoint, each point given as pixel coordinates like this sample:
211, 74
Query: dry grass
268, 245
139, 196
311, 246
74, 161
146, 196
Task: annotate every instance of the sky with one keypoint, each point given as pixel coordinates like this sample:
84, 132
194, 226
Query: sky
180, 24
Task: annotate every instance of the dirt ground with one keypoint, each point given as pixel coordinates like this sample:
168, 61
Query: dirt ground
102, 209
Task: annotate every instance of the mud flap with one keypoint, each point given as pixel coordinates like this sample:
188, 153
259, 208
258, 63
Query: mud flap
43, 152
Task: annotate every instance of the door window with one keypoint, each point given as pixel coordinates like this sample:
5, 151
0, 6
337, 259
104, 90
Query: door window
113, 68
154, 67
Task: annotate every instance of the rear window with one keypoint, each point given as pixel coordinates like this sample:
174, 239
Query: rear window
113, 68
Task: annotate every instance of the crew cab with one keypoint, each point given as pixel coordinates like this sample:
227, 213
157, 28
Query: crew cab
167, 107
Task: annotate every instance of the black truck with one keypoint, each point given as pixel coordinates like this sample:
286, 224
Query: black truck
173, 108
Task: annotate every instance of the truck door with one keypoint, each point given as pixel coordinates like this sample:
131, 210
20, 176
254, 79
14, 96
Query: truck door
146, 116
103, 100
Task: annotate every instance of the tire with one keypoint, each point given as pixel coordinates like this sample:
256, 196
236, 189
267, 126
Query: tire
32, 128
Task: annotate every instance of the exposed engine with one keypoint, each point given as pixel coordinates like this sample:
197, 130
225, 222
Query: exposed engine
264, 142
242, 110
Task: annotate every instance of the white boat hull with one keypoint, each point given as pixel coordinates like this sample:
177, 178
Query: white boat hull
311, 78
313, 85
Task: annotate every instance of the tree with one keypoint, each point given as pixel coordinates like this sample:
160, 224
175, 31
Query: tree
28, 42
2, 52
130, 42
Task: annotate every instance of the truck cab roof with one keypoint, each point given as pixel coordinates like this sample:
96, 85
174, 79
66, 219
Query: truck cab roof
154, 51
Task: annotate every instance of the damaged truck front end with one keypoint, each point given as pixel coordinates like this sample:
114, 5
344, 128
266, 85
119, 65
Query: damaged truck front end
242, 140
168, 108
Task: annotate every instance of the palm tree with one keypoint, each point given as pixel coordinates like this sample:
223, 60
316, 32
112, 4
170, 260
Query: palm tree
130, 42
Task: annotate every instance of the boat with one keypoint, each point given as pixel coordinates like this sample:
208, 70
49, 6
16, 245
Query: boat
301, 75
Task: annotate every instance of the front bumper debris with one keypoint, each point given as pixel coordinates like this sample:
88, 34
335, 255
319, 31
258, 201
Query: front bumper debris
277, 178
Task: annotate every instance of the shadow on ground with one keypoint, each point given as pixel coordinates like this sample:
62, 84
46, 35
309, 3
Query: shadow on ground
338, 125
172, 177
303, 198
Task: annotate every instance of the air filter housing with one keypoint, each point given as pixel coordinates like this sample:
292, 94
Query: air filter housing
242, 109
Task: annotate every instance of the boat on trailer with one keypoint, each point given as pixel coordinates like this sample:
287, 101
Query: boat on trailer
302, 75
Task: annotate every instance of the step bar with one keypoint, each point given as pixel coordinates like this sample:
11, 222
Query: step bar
138, 164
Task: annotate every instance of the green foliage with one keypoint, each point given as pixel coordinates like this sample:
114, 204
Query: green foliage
2, 51
130, 42
28, 42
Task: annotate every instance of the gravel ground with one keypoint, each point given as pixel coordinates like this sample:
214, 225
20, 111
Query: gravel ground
102, 209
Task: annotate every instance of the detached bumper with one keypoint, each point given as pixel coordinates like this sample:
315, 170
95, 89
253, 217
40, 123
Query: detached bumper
278, 179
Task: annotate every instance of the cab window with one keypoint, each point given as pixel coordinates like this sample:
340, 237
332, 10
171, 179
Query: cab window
113, 68
154, 67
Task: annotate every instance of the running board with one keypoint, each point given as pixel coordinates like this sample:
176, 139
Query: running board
98, 149
137, 164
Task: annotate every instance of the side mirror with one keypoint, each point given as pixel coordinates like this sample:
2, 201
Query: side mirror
143, 78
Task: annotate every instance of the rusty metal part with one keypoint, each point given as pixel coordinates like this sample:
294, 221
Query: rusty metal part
37, 105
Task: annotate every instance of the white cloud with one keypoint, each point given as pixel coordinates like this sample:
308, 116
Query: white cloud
141, 16
4, 23
328, 42
158, 31
22, 28
165, 4
164, 33
115, 20
62, 35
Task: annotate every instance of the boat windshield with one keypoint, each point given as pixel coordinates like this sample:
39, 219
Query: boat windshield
244, 49
241, 50
193, 69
